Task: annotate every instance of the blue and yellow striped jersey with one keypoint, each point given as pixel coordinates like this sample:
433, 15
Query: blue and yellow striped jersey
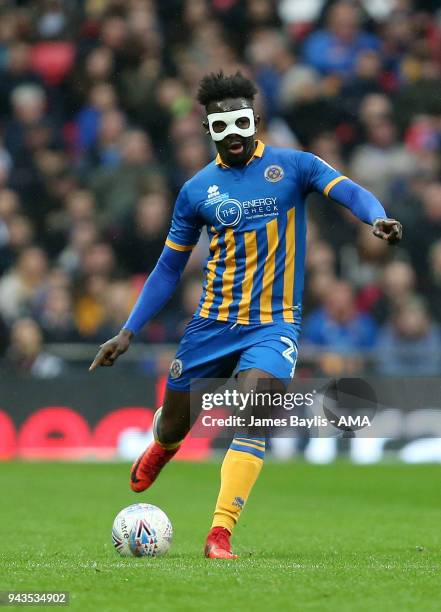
255, 218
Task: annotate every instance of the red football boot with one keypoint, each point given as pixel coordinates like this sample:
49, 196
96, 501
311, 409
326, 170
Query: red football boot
218, 544
146, 468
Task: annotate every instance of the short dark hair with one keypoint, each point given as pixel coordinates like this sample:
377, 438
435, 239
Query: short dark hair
214, 87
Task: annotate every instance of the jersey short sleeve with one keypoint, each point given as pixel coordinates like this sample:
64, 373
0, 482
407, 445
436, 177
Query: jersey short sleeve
186, 225
316, 174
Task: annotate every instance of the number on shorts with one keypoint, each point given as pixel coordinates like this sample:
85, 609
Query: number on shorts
288, 353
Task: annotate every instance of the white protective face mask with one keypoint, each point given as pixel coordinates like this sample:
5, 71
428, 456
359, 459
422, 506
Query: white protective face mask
229, 119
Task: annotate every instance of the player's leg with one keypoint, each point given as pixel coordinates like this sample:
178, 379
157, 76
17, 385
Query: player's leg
181, 406
240, 469
268, 359
170, 426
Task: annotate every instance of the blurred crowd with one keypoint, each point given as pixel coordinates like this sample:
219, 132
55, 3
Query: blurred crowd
99, 129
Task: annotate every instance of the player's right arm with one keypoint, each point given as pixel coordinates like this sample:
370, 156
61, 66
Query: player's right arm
161, 283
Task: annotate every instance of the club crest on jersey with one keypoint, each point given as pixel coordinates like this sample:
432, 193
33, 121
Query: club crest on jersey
274, 173
176, 368
229, 212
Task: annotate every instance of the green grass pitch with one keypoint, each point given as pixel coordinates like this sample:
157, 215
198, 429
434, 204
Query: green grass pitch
337, 537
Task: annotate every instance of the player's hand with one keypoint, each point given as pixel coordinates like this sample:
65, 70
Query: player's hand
112, 349
390, 230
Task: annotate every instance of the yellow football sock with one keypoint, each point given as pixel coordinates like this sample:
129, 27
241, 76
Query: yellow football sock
156, 419
239, 472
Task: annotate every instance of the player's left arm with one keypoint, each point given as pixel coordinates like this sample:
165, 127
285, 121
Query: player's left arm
364, 205
361, 202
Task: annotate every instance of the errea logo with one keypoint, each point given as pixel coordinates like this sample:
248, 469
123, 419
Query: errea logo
213, 191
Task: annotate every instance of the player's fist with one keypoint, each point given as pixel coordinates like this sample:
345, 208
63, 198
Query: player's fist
112, 349
390, 230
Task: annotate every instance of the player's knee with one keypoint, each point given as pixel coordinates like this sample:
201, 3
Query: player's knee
172, 429
174, 423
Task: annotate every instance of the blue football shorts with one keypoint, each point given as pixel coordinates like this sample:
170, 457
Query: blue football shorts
214, 349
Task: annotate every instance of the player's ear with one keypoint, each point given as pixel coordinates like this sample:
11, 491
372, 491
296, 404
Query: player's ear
205, 126
257, 121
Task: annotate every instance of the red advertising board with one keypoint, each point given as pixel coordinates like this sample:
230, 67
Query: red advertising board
84, 418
